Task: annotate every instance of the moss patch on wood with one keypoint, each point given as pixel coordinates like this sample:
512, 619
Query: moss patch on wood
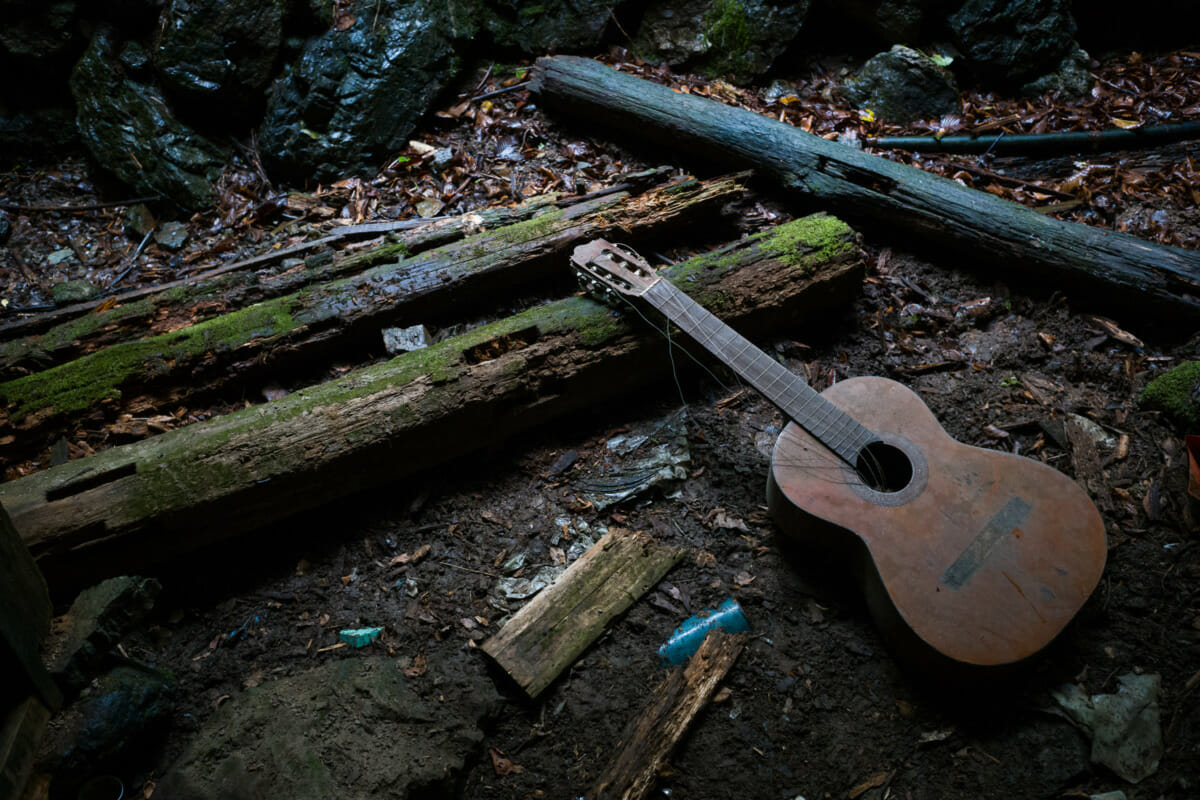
1175, 393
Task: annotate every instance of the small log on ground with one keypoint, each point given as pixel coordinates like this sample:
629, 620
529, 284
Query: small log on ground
1120, 268
649, 739
146, 501
552, 630
340, 319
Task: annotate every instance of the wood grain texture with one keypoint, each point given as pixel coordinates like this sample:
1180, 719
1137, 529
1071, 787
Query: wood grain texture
650, 738
21, 729
131, 506
552, 630
1120, 268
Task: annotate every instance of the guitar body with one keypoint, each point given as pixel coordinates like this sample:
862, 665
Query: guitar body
973, 557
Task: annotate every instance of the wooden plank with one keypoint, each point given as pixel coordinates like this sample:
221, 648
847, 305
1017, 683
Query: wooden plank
649, 739
24, 621
552, 630
128, 507
21, 729
1120, 269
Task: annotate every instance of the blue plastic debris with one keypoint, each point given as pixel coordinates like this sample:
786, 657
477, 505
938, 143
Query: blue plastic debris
359, 637
688, 637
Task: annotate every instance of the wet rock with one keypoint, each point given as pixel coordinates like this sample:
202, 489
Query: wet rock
5, 228
354, 95
129, 128
738, 38
1176, 393
893, 21
36, 130
220, 52
73, 292
403, 340
37, 33
1014, 41
536, 27
172, 235
1072, 79
113, 728
902, 85
353, 728
97, 620
139, 220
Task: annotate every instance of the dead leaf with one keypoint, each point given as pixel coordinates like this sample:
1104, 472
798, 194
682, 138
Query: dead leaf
878, 779
502, 764
723, 520
743, 579
418, 666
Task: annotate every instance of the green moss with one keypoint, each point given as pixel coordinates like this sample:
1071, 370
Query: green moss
96, 377
730, 35
1173, 392
808, 241
527, 230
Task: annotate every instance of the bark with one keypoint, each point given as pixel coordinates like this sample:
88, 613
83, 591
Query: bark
649, 739
552, 630
117, 510
1113, 267
227, 355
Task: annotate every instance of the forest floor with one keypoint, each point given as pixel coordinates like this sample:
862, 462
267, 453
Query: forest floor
816, 706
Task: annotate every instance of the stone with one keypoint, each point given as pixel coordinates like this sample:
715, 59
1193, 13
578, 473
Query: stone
1011, 42
113, 728
353, 728
5, 228
403, 340
78, 291
354, 95
139, 220
893, 21
97, 620
903, 85
129, 128
1072, 79
171, 235
537, 27
735, 38
1177, 394
220, 53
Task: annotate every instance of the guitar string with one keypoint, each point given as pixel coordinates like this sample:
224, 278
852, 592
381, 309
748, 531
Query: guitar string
820, 462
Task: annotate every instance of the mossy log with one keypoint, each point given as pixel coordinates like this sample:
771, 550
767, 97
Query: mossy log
649, 739
337, 319
1114, 268
73, 331
552, 630
122, 507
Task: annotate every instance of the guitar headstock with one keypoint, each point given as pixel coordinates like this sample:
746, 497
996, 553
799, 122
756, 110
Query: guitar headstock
607, 267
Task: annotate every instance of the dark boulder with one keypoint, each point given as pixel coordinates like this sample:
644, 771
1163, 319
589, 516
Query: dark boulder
220, 53
538, 26
355, 95
893, 21
902, 85
736, 38
130, 130
1012, 42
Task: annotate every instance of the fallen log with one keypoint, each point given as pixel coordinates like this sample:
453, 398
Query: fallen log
143, 502
649, 739
343, 318
1114, 267
44, 340
552, 630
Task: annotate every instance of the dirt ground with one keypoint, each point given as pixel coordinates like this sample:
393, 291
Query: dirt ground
817, 706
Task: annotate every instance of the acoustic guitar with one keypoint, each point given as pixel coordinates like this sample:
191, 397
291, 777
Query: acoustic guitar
967, 557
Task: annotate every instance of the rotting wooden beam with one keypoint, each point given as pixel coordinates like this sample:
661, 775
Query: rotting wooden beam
158, 498
552, 630
649, 739
158, 374
1115, 268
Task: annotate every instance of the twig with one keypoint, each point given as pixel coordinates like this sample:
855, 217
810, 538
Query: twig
468, 569
495, 92
86, 207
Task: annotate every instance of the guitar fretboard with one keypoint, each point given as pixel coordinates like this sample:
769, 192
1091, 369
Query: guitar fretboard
836, 429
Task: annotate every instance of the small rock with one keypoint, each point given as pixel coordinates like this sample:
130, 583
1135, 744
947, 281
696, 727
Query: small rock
96, 621
139, 220
403, 340
1073, 78
114, 727
902, 85
429, 208
172, 235
442, 158
5, 228
59, 256
73, 292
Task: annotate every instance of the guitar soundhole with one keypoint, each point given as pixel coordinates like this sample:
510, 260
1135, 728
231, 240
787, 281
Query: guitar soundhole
884, 467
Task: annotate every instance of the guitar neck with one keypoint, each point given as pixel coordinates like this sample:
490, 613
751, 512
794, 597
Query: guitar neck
837, 430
